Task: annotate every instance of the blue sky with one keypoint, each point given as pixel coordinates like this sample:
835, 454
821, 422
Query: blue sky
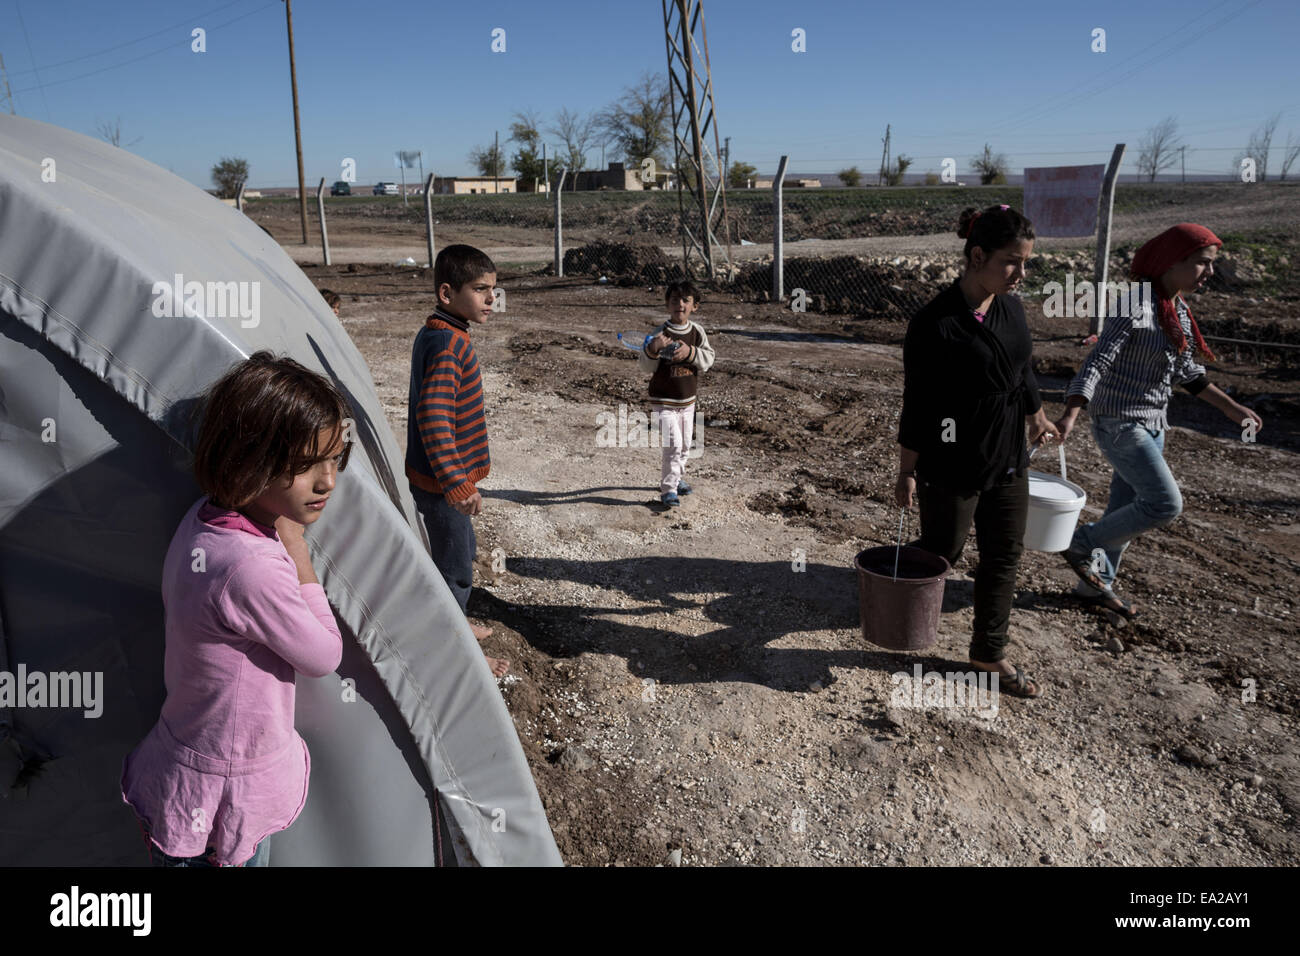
378, 76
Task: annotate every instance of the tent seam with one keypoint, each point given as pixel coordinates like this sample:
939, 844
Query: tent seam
85, 338
377, 628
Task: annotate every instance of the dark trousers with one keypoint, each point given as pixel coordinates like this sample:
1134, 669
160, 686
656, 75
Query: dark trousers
999, 515
452, 544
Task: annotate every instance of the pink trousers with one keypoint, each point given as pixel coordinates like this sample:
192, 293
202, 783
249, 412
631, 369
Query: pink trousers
676, 429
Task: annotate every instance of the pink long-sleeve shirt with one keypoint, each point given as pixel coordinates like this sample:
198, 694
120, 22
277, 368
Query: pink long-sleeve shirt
223, 767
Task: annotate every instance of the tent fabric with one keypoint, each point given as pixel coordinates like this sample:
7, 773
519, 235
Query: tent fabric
412, 746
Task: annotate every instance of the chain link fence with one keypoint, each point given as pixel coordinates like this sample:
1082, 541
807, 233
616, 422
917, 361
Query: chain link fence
869, 252
884, 252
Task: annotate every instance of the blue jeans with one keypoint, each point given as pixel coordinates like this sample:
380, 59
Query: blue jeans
261, 855
452, 544
1143, 494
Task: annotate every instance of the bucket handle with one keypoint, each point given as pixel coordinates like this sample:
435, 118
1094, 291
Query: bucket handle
902, 513
1061, 450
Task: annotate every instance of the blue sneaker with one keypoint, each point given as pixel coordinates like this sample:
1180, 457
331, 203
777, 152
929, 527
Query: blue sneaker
683, 488
670, 499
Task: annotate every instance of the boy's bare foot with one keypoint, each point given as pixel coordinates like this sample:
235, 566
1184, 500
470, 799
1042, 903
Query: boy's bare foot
480, 633
498, 665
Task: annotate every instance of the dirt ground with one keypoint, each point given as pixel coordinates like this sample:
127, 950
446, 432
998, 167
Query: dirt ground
696, 680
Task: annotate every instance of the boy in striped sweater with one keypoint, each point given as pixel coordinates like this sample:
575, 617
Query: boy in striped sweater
446, 433
675, 357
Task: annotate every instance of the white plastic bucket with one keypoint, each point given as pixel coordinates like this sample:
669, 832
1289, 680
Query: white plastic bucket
1054, 507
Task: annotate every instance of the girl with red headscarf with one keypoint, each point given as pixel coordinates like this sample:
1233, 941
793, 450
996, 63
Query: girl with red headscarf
1126, 383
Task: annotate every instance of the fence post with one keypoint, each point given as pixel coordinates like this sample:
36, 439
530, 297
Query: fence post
320, 208
778, 234
1106, 206
239, 198
559, 242
428, 215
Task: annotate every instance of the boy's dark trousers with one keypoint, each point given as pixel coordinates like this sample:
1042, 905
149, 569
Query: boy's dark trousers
999, 516
452, 544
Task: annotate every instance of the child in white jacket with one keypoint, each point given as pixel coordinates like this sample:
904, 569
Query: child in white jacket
675, 357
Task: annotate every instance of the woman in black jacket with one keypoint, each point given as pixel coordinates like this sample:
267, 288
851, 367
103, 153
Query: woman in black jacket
968, 392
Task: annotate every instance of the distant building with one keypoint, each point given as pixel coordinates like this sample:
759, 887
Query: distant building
790, 181
467, 185
617, 176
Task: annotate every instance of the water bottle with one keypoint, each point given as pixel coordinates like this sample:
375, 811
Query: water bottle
637, 341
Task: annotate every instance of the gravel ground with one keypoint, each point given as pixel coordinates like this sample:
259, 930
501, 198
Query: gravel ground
693, 686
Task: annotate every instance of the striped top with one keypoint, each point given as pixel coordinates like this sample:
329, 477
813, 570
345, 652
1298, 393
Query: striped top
1131, 371
674, 382
446, 432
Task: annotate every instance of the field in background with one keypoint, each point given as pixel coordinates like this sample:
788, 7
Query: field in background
1259, 210
861, 253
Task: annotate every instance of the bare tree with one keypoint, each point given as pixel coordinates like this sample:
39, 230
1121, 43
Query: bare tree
112, 132
1158, 149
228, 174
578, 134
1261, 141
526, 127
894, 177
488, 160
1289, 155
991, 166
525, 130
640, 123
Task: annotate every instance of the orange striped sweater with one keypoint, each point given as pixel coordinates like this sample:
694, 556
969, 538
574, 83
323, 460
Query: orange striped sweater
446, 432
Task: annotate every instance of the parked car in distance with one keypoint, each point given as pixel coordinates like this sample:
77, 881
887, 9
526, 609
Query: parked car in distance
386, 189
341, 188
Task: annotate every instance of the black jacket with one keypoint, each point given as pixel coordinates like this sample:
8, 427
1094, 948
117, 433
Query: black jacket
967, 387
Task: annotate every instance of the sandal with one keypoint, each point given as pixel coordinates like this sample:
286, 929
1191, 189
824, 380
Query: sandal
1082, 566
1018, 686
1109, 601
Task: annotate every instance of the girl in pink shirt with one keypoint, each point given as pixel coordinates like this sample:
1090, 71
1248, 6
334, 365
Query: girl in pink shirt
223, 768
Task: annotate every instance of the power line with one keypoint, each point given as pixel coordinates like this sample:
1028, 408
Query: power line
1054, 102
1110, 133
1147, 62
40, 86
804, 160
147, 36
144, 56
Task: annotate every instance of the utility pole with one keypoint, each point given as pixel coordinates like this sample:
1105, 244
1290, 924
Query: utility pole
546, 173
884, 159
1182, 151
4, 77
297, 127
496, 162
696, 153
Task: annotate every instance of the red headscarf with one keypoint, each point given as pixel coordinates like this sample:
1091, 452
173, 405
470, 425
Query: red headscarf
1155, 258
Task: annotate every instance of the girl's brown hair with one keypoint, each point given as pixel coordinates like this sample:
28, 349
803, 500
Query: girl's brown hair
262, 421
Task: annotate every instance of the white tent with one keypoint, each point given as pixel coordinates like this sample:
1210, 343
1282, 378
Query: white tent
96, 395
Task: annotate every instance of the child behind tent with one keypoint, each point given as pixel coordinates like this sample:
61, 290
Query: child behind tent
223, 768
332, 299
